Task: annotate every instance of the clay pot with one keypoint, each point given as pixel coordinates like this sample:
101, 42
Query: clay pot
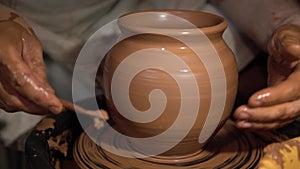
171, 75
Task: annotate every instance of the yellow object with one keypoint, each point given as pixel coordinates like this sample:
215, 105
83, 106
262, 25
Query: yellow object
283, 155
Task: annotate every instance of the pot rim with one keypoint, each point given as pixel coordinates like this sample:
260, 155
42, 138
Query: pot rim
137, 24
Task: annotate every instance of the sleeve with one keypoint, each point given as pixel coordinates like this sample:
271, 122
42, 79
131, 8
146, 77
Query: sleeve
258, 19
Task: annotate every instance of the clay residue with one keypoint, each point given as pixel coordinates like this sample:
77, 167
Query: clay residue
99, 116
47, 123
59, 142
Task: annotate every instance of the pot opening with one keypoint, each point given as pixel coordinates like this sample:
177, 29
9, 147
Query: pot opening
172, 21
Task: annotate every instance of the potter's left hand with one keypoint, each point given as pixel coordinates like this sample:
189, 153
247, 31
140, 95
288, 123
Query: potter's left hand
278, 104
23, 81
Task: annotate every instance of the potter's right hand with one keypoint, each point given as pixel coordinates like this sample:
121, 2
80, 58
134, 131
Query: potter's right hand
278, 104
23, 84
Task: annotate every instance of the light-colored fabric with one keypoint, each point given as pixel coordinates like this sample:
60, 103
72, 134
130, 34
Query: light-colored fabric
262, 17
63, 36
16, 124
64, 26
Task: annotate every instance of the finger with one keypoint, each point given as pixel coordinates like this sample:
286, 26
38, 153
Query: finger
281, 112
285, 91
27, 85
33, 56
11, 102
261, 126
8, 103
276, 76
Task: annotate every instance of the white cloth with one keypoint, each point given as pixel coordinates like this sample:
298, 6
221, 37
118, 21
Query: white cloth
64, 26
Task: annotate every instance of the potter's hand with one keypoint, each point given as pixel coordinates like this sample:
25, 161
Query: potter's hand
23, 84
279, 104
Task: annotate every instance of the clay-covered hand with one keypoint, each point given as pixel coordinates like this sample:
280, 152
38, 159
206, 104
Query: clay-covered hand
278, 104
23, 84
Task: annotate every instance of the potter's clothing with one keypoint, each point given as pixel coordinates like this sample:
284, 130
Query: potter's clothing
63, 27
262, 17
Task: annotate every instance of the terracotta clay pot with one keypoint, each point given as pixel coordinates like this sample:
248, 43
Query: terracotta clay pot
172, 75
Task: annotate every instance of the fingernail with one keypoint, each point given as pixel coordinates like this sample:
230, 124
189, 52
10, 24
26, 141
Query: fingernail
259, 100
55, 109
242, 113
244, 124
243, 116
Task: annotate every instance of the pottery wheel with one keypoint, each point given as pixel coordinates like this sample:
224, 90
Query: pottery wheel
230, 148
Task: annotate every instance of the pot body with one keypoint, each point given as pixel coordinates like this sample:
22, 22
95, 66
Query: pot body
169, 79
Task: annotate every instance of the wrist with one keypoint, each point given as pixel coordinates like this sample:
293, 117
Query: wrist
287, 17
284, 20
5, 13
10, 16
284, 46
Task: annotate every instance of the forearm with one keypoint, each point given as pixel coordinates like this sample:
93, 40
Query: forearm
5, 12
259, 18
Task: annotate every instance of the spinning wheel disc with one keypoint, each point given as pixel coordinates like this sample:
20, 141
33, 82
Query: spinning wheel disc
230, 148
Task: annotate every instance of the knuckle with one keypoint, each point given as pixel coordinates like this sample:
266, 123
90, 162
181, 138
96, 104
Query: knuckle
14, 106
289, 111
293, 110
277, 113
8, 108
